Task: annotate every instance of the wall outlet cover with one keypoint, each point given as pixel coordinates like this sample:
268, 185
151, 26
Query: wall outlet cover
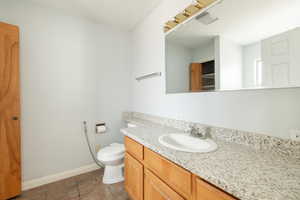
295, 134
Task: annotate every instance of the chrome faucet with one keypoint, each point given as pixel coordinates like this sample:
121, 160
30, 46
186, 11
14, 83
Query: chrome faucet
197, 132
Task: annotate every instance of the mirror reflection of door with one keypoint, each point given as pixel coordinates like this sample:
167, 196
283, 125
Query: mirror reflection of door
202, 76
248, 52
196, 77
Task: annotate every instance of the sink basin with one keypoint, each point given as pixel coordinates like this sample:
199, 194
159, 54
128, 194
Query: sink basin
187, 143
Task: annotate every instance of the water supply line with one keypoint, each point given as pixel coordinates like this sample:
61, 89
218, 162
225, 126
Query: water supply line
90, 146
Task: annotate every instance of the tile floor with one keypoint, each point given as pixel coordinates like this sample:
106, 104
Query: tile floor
87, 186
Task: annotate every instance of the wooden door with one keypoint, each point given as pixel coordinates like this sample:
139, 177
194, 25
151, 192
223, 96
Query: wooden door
134, 178
196, 77
10, 159
155, 189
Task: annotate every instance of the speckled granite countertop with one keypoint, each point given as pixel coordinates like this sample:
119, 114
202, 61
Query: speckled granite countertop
240, 170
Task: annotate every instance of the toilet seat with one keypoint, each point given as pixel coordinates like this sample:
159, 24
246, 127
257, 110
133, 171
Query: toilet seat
112, 152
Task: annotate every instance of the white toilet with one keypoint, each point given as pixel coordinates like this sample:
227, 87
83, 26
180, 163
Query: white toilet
112, 157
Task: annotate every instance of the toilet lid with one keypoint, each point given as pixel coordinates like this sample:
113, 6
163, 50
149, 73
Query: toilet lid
111, 151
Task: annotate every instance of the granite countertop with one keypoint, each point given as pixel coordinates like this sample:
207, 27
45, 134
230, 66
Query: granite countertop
244, 172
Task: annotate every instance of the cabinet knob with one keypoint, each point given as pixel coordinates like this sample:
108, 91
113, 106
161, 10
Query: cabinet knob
15, 118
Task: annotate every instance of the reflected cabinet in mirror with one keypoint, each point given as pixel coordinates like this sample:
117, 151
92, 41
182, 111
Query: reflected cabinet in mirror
254, 46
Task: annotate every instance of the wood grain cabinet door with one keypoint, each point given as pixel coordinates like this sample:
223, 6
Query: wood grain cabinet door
176, 177
134, 177
10, 167
134, 148
205, 191
155, 189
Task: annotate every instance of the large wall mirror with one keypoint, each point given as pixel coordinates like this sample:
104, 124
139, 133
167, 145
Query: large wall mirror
235, 45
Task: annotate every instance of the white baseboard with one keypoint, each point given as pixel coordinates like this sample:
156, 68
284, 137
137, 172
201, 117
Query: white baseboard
26, 185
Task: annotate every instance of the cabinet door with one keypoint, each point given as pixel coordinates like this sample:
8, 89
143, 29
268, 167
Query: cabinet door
176, 177
133, 177
205, 191
196, 77
134, 148
155, 189
10, 159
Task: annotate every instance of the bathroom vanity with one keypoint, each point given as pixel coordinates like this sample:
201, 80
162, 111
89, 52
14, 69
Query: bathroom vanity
148, 175
245, 166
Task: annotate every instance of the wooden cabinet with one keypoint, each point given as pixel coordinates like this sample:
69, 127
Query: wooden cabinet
205, 191
155, 189
134, 148
178, 178
149, 176
10, 156
134, 177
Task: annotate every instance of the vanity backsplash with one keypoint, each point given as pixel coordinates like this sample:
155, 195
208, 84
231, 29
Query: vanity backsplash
257, 141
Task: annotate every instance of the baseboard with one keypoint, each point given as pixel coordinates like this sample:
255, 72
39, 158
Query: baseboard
26, 185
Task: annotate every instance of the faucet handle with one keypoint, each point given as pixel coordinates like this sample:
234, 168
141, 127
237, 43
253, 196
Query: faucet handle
201, 132
190, 128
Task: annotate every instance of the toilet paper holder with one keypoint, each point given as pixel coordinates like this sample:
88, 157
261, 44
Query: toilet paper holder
100, 128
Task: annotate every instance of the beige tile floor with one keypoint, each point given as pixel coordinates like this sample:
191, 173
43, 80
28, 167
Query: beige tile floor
87, 186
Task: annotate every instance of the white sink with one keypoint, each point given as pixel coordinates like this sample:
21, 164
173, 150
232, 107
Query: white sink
187, 143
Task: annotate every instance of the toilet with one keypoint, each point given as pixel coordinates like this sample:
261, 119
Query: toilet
112, 157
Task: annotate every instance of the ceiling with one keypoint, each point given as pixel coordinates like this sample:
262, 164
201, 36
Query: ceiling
122, 14
242, 21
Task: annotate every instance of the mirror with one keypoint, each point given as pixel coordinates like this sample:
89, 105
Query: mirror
236, 45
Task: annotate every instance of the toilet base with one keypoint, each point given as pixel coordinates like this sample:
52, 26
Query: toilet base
113, 174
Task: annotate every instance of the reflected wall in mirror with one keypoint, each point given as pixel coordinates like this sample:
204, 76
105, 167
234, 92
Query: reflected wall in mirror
235, 45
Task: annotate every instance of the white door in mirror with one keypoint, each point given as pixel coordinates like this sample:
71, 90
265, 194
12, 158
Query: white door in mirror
187, 143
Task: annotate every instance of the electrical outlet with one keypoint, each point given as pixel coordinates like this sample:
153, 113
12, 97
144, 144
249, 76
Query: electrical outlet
295, 134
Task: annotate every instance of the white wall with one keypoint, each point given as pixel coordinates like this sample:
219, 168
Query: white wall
295, 58
204, 53
251, 53
273, 112
71, 70
178, 59
230, 64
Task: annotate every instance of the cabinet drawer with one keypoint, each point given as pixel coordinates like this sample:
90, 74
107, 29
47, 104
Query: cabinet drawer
205, 191
134, 148
133, 177
176, 177
156, 189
